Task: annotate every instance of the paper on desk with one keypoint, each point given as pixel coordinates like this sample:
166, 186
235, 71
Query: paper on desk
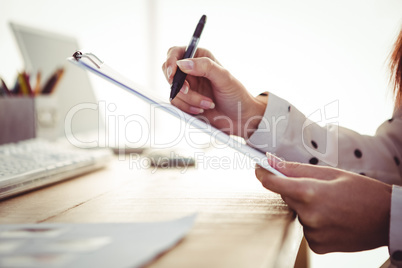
88, 245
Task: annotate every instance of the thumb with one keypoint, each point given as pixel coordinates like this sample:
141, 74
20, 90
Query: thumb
205, 67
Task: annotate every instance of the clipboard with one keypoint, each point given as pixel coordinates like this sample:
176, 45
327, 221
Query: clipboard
92, 63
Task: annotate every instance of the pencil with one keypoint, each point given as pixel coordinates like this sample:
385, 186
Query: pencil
23, 84
37, 85
53, 81
5, 90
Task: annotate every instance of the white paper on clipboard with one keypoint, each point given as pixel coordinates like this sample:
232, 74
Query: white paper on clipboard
89, 61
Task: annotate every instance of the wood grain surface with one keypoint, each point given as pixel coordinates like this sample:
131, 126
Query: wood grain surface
239, 223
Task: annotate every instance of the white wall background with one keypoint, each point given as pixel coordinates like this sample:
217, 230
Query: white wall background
311, 52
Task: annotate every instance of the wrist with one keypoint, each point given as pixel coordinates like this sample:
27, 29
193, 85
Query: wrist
381, 217
386, 210
255, 114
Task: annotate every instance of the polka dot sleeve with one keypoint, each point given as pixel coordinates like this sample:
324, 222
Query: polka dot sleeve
286, 132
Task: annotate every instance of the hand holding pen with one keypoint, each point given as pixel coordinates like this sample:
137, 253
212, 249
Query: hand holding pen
212, 91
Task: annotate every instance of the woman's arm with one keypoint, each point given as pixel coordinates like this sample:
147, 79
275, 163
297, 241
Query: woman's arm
287, 133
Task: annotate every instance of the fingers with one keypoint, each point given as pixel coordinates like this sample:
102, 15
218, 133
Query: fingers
191, 101
187, 100
185, 107
294, 188
205, 67
295, 169
195, 99
274, 161
169, 67
206, 79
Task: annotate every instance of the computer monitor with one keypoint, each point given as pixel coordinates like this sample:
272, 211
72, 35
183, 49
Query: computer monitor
44, 52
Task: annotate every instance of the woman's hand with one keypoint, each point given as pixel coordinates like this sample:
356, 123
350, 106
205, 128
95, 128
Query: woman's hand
211, 91
339, 210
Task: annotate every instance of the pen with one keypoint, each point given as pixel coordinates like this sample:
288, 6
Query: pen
53, 81
179, 77
4, 88
16, 90
37, 88
27, 77
23, 85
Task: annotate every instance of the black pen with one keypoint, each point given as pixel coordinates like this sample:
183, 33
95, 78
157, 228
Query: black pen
179, 77
4, 89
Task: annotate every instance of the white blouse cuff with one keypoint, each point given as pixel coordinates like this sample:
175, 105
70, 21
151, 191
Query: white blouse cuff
272, 126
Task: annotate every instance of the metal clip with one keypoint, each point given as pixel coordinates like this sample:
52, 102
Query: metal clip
78, 55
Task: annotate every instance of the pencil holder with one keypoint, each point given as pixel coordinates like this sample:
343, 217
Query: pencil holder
48, 123
17, 119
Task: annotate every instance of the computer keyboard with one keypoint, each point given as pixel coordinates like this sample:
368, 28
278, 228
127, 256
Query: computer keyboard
34, 163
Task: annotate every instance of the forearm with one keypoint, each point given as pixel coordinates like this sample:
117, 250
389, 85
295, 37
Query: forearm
286, 132
395, 232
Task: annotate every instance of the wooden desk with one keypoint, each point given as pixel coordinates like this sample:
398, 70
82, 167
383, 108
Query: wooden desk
239, 223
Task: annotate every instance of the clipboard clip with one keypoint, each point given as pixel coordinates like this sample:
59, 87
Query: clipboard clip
79, 55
